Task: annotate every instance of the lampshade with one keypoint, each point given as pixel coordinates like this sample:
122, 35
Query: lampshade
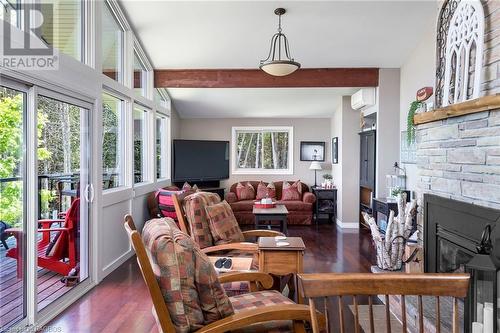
315, 165
280, 68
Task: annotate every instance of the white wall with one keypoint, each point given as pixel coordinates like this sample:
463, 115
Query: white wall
314, 129
388, 131
418, 71
345, 126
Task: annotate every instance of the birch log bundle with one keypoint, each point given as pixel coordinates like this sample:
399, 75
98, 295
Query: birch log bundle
390, 247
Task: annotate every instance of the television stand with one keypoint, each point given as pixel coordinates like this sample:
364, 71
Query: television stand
212, 186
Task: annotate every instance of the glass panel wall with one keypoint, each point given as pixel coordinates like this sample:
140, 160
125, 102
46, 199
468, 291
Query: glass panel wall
112, 45
112, 142
12, 207
63, 164
62, 26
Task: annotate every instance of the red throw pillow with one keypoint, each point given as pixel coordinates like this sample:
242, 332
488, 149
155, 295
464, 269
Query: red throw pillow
245, 192
264, 191
291, 192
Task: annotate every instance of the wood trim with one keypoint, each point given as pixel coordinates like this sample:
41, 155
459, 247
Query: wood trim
255, 78
480, 104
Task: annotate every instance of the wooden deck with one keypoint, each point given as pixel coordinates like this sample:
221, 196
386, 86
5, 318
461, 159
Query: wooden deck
11, 289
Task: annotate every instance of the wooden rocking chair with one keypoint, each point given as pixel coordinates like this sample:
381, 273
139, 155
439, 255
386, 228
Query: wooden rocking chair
248, 247
57, 254
241, 319
342, 285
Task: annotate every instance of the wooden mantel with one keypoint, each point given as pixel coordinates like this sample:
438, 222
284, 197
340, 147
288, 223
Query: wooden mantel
480, 104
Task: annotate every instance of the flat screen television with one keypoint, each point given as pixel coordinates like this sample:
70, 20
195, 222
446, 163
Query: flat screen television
197, 160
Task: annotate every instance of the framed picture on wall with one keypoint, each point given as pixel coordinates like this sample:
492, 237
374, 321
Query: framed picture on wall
335, 150
312, 151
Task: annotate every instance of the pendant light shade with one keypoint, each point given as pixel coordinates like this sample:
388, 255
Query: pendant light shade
279, 62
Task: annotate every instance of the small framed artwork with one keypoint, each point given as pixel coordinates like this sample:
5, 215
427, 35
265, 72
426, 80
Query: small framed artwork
335, 150
312, 151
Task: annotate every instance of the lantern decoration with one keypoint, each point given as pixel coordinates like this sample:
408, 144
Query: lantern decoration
482, 303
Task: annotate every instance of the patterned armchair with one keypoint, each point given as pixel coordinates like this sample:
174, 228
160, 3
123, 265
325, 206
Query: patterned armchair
187, 294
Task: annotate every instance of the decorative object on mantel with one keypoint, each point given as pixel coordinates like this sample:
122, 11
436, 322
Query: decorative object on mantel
328, 183
274, 64
417, 106
483, 305
464, 53
315, 165
391, 246
485, 103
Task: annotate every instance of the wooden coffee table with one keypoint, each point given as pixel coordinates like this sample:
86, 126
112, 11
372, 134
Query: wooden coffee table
278, 213
282, 260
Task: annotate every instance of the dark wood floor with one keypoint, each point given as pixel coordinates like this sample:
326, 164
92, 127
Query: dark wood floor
121, 302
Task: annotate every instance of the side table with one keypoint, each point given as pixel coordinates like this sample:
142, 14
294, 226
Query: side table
326, 203
282, 260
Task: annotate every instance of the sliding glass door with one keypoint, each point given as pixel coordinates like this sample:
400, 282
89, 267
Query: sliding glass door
12, 207
45, 194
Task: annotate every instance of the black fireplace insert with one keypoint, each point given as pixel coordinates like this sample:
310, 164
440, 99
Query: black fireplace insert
457, 236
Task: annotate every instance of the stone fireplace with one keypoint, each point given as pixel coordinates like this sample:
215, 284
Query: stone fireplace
458, 190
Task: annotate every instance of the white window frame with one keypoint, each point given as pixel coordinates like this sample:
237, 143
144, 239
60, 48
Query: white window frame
123, 158
124, 45
148, 155
165, 147
254, 171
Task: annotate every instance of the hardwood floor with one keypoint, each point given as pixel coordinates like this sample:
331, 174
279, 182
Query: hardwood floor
121, 302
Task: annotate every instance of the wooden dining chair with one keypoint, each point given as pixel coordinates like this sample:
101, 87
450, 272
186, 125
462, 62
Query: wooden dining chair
243, 318
341, 285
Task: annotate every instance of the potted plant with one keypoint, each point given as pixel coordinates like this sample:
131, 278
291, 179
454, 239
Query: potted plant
328, 180
410, 126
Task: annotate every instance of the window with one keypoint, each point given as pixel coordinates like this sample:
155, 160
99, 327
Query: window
112, 142
266, 150
140, 75
140, 144
62, 26
112, 45
161, 147
161, 98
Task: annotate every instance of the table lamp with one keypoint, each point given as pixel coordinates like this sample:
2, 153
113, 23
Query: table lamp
315, 165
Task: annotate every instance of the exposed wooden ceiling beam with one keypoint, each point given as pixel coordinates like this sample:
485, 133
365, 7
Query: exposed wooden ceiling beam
255, 78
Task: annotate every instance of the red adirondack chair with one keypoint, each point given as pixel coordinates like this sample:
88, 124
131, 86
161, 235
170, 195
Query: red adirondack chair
59, 255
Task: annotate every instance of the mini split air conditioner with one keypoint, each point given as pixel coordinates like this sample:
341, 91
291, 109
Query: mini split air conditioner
363, 98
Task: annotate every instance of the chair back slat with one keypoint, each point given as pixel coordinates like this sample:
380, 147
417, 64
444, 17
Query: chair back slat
159, 305
420, 314
455, 315
341, 315
403, 313
370, 309
327, 317
356, 314
401, 284
438, 316
314, 317
387, 314
181, 214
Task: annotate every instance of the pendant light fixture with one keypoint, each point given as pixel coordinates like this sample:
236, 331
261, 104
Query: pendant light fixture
279, 62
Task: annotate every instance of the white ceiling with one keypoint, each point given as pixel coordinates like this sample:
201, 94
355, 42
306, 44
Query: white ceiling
257, 103
236, 34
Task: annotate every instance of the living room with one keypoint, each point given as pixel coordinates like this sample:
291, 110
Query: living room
274, 174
